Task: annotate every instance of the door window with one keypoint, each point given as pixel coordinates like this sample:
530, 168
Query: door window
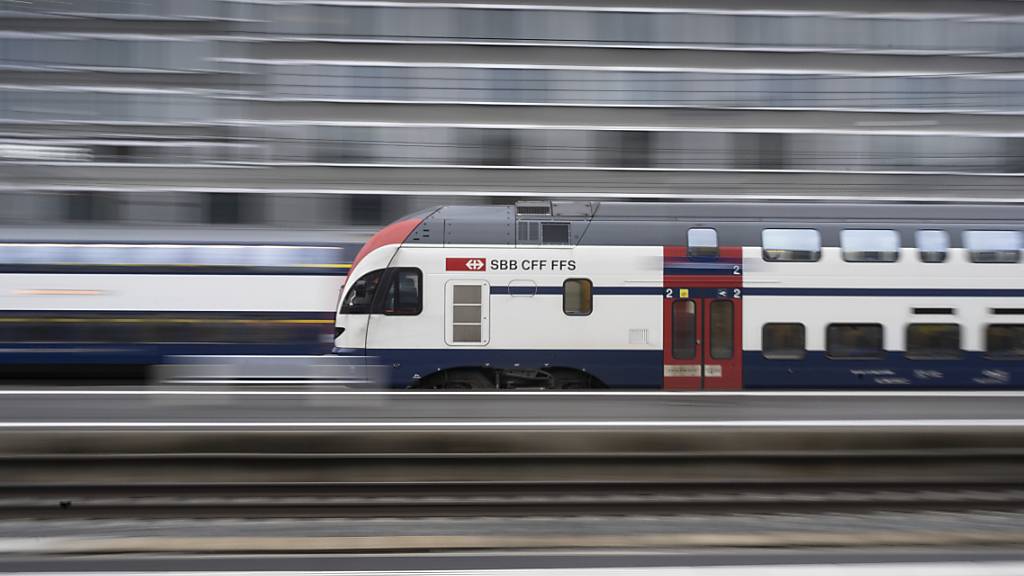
721, 329
684, 329
721, 325
405, 293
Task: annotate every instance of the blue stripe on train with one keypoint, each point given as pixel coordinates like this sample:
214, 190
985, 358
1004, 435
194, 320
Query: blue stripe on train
637, 369
893, 372
616, 368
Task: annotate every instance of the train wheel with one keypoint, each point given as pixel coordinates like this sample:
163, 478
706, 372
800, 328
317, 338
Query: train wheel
569, 379
458, 380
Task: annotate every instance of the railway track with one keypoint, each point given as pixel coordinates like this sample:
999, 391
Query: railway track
502, 499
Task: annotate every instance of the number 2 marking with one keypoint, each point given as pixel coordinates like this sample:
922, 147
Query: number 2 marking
736, 270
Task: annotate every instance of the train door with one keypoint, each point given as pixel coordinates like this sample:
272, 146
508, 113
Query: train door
702, 344
703, 320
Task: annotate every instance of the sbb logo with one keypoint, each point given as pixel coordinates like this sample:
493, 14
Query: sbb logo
465, 264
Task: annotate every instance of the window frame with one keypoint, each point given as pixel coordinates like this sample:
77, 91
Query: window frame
590, 290
690, 246
390, 280
731, 340
920, 252
881, 348
803, 347
971, 254
988, 347
694, 325
843, 252
764, 249
957, 355
370, 301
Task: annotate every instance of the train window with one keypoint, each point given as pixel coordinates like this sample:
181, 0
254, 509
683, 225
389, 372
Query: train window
555, 233
702, 242
159, 254
783, 341
854, 341
322, 255
221, 255
993, 246
929, 341
44, 254
99, 254
1005, 340
684, 329
721, 325
577, 297
359, 298
274, 255
785, 245
12, 253
870, 245
405, 293
932, 245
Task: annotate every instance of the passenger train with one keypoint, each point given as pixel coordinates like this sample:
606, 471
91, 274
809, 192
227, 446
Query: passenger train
693, 296
81, 299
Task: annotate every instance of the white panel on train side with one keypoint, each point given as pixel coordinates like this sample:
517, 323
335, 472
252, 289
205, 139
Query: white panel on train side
538, 322
467, 312
169, 292
893, 312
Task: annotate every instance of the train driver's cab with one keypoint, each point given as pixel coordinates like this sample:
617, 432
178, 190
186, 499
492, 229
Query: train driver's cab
376, 295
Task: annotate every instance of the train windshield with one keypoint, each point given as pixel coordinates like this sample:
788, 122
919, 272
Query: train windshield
360, 296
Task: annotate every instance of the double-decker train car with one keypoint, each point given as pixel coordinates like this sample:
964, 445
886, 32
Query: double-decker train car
79, 300
693, 296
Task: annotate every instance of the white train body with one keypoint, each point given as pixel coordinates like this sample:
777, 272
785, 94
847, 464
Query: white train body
602, 306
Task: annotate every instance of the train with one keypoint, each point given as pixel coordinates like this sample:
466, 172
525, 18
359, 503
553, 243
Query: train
87, 301
718, 296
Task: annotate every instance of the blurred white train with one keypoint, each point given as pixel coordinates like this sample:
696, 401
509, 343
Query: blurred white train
688, 296
84, 298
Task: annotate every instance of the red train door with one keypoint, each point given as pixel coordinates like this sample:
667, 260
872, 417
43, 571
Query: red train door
702, 322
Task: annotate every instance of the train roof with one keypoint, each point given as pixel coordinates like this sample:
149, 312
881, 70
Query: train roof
616, 223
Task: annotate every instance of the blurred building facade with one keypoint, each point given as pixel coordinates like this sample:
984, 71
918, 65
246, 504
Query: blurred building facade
320, 114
